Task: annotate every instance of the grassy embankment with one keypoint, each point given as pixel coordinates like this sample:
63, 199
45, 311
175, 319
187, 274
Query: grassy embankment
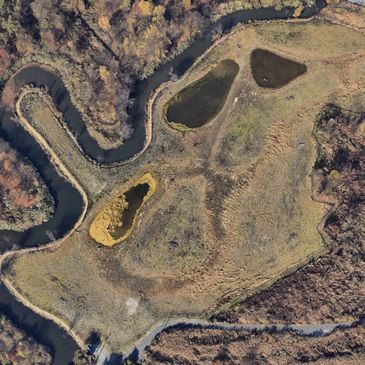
262, 146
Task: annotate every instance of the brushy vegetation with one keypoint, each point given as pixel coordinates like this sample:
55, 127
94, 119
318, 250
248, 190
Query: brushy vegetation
25, 200
83, 358
255, 220
18, 348
98, 39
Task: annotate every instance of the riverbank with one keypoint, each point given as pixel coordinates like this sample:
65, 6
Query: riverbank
53, 245
55, 160
9, 255
18, 347
80, 342
46, 332
147, 262
135, 249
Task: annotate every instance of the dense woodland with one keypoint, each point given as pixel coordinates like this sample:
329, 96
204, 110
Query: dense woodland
17, 348
25, 200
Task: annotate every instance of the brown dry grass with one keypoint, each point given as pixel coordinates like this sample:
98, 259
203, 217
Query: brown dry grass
229, 216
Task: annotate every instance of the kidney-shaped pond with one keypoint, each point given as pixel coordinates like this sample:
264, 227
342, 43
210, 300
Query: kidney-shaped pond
273, 71
201, 101
116, 219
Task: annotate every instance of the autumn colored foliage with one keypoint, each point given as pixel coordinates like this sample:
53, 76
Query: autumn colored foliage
4, 60
22, 192
17, 348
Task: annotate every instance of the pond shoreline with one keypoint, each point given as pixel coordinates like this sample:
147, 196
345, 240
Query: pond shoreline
146, 91
15, 303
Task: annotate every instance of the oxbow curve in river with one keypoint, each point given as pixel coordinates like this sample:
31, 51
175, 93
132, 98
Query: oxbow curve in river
70, 202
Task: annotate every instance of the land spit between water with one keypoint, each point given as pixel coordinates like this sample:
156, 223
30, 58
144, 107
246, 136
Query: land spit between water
136, 304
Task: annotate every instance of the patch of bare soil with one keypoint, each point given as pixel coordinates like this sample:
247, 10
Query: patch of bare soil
332, 288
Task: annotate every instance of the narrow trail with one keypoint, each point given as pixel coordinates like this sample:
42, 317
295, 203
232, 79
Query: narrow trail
104, 355
315, 330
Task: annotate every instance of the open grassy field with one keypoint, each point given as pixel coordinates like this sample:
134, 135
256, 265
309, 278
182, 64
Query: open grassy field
233, 211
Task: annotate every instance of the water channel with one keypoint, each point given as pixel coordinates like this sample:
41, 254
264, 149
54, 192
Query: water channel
68, 200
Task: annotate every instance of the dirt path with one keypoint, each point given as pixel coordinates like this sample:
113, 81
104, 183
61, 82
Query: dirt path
55, 244
148, 338
321, 329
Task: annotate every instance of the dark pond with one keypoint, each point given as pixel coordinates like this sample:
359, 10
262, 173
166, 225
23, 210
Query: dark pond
134, 197
273, 71
68, 201
202, 100
144, 88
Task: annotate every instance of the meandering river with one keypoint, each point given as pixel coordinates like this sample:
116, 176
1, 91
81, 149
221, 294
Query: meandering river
69, 201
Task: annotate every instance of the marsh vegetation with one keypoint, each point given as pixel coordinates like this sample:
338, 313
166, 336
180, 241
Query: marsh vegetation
115, 221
